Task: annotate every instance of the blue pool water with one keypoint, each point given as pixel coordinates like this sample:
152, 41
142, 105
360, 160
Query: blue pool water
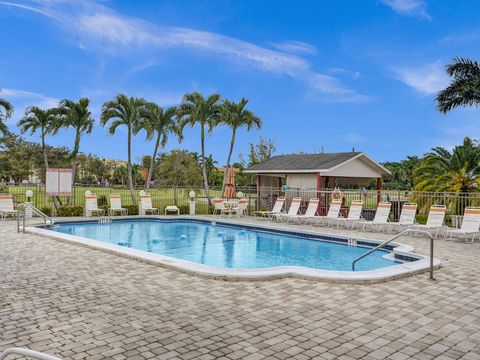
226, 246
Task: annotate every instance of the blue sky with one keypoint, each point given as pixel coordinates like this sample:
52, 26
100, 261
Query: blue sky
331, 75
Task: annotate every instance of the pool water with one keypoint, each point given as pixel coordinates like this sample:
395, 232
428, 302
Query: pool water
226, 246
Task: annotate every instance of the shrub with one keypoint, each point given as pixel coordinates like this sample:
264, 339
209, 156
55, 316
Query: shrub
70, 211
47, 211
4, 189
132, 209
184, 209
102, 201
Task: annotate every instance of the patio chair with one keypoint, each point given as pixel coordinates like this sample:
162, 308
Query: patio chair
333, 213
354, 214
91, 206
116, 205
172, 209
146, 206
219, 207
435, 220
277, 209
292, 211
470, 225
6, 206
381, 217
312, 211
407, 217
240, 208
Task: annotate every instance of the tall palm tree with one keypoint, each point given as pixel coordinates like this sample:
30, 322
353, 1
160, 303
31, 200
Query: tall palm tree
235, 116
77, 116
127, 111
454, 171
464, 90
195, 109
38, 119
157, 121
6, 110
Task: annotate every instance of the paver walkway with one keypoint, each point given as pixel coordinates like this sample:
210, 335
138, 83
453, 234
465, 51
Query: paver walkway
77, 303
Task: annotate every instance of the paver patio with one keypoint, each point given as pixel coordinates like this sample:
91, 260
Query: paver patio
77, 303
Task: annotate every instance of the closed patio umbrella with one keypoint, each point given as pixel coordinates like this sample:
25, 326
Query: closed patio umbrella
230, 184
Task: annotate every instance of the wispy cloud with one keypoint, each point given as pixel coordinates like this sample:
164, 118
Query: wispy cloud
426, 79
20, 99
409, 7
295, 47
98, 28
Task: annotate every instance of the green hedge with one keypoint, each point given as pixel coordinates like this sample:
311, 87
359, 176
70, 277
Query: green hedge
132, 209
70, 211
47, 211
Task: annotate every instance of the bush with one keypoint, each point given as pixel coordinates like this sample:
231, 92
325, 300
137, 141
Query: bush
184, 209
102, 201
132, 209
47, 211
70, 211
4, 189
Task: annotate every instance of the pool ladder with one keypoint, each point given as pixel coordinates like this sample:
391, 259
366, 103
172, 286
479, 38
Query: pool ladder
22, 213
406, 231
105, 220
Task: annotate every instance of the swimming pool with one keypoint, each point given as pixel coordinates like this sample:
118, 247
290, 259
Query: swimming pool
231, 250
227, 246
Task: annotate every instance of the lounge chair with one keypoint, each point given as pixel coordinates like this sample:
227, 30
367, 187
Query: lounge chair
91, 206
407, 217
311, 212
6, 207
470, 225
381, 217
146, 205
172, 209
116, 205
292, 211
333, 213
277, 209
354, 214
219, 207
435, 220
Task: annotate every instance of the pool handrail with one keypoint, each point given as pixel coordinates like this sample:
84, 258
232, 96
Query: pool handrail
27, 353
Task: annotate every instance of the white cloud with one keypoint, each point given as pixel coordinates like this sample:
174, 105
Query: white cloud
295, 47
98, 28
409, 7
426, 79
21, 99
335, 91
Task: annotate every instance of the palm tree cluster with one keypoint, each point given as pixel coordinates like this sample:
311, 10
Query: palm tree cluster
138, 114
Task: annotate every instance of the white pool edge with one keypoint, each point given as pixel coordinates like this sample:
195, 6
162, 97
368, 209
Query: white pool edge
207, 271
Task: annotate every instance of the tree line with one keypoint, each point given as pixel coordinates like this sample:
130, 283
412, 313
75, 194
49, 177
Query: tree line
136, 115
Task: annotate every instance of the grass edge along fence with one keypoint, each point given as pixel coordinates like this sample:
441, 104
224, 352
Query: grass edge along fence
262, 200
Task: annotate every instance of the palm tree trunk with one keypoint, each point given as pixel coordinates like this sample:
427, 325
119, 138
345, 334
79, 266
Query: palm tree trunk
204, 165
45, 162
74, 163
152, 162
129, 165
225, 174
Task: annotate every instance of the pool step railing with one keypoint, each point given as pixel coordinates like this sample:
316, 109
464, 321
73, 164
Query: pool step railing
104, 219
406, 231
22, 213
27, 353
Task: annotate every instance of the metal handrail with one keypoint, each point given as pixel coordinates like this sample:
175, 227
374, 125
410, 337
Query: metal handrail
40, 213
28, 353
396, 237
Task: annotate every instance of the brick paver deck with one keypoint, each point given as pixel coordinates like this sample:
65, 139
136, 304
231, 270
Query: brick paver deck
78, 303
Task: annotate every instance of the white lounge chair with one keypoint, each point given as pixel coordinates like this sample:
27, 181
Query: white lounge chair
407, 217
333, 213
219, 207
91, 206
381, 217
146, 205
277, 209
354, 214
292, 211
116, 205
470, 225
435, 220
172, 209
310, 213
6, 207
240, 208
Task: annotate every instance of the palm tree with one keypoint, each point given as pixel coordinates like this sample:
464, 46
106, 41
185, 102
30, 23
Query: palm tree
76, 115
157, 121
195, 109
464, 90
6, 110
235, 116
454, 171
124, 110
39, 119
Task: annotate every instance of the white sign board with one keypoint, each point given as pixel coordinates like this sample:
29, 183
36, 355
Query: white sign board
58, 182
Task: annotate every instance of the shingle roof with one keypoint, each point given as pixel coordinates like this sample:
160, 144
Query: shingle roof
303, 162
